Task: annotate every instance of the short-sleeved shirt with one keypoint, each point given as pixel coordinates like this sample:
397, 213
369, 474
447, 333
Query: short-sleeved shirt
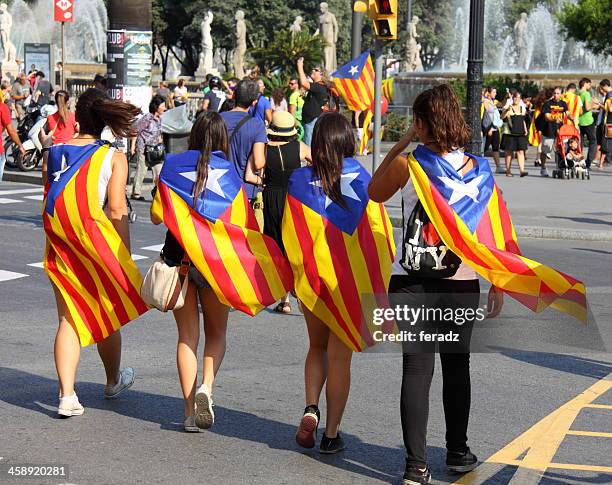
45, 89
586, 119
259, 110
316, 97
296, 100
241, 147
63, 131
148, 129
5, 120
215, 98
20, 90
557, 109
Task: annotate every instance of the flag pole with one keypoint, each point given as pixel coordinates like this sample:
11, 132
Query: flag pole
378, 71
63, 76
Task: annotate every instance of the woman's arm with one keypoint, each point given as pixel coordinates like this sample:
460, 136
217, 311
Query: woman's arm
301, 74
305, 152
392, 174
117, 206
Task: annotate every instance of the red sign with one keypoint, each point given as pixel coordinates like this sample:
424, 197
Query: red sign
64, 10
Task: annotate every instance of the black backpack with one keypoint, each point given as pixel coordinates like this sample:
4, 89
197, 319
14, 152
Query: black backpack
423, 252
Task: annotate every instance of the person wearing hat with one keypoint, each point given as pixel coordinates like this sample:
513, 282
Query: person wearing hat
284, 153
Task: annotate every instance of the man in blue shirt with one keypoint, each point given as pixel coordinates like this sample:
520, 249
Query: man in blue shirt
247, 134
262, 109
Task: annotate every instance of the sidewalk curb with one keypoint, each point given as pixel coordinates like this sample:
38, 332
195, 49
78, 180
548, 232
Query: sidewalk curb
547, 232
34, 178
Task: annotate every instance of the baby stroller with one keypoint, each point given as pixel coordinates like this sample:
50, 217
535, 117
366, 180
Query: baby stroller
564, 169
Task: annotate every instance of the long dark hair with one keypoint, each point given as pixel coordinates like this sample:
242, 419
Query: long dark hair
95, 110
61, 100
438, 108
332, 141
208, 134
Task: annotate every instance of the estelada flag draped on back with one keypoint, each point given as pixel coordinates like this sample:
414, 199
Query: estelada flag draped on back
85, 257
534, 137
574, 106
341, 256
472, 219
245, 268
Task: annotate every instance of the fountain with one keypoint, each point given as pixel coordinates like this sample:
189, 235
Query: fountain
85, 37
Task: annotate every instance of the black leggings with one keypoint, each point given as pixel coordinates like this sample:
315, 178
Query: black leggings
418, 370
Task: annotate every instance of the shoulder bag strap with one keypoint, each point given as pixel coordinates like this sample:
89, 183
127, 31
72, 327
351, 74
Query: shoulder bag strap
240, 124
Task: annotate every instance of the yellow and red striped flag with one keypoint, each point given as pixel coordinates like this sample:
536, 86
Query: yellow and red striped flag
534, 137
245, 268
574, 106
341, 256
85, 257
472, 220
355, 82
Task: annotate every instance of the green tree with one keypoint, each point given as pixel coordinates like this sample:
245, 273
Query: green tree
283, 52
435, 30
589, 21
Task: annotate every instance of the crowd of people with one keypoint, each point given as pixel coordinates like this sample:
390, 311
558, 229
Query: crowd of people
514, 122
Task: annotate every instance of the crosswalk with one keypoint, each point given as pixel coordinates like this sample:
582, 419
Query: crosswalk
21, 195
11, 275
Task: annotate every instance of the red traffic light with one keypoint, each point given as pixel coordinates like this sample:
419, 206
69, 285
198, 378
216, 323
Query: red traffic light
384, 7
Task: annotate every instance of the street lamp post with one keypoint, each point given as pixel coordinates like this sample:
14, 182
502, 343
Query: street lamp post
474, 74
359, 8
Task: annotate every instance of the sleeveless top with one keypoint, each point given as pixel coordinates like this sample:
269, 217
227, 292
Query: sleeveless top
410, 198
281, 161
105, 175
517, 119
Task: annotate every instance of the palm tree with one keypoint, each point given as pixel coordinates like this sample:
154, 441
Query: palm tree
282, 53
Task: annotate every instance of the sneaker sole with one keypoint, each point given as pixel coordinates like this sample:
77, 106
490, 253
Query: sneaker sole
326, 452
189, 429
413, 482
66, 413
461, 468
306, 434
127, 386
203, 416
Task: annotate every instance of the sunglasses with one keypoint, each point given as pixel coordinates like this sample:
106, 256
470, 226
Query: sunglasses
316, 70
292, 83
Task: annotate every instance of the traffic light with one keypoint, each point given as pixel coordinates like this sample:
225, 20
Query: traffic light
384, 15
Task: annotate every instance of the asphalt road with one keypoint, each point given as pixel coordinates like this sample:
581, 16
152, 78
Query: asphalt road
259, 393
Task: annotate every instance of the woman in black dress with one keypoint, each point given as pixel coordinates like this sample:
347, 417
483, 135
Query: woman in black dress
284, 153
515, 141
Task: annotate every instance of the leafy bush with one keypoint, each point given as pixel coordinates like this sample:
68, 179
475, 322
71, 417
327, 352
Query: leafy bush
526, 86
396, 125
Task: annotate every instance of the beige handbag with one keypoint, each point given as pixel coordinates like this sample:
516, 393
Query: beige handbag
164, 287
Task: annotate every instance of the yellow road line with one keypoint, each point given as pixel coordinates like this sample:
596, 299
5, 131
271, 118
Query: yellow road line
540, 443
595, 434
599, 406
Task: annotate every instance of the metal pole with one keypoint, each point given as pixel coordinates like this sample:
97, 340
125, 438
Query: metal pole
474, 74
357, 22
63, 76
409, 13
378, 71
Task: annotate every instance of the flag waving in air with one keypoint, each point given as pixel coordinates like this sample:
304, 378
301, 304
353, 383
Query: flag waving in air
341, 256
471, 218
355, 83
245, 268
85, 257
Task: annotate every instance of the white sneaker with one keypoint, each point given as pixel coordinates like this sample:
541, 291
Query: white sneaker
204, 414
70, 406
126, 379
544, 172
190, 426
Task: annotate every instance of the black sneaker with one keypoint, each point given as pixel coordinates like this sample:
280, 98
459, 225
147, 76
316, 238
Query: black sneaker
461, 461
329, 446
416, 476
306, 434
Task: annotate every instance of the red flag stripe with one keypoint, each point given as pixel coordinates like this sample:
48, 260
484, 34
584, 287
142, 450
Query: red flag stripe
83, 308
106, 254
71, 258
310, 265
353, 94
484, 230
506, 224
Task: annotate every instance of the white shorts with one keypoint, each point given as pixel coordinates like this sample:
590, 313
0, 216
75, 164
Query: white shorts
548, 147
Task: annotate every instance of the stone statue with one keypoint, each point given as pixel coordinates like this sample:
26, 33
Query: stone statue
6, 25
206, 55
521, 41
241, 45
296, 26
412, 60
328, 28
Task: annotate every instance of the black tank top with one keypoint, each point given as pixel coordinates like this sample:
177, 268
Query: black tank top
281, 161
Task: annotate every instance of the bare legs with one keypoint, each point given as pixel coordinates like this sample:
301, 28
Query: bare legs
67, 351
520, 158
188, 324
328, 359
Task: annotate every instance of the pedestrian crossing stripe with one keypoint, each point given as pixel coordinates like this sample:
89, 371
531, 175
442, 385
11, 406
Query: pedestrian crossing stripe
157, 248
36, 265
8, 201
34, 197
533, 451
20, 191
137, 257
10, 275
